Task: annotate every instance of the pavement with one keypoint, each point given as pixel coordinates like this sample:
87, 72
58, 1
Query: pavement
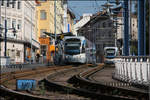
16, 67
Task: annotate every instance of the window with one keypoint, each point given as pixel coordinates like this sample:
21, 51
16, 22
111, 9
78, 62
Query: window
104, 24
12, 54
8, 23
18, 53
2, 2
3, 22
110, 24
42, 14
133, 24
19, 24
14, 4
43, 0
8, 3
41, 32
43, 50
19, 5
51, 41
13, 23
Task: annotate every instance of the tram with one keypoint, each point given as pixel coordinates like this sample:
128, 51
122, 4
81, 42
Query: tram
110, 55
77, 49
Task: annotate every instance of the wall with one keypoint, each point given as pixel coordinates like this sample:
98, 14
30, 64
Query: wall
15, 51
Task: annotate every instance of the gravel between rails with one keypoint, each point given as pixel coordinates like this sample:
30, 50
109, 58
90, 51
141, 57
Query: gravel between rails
104, 77
40, 91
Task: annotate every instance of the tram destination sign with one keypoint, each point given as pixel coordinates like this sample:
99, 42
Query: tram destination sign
25, 84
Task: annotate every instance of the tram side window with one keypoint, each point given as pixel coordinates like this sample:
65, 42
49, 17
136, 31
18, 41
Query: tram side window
83, 48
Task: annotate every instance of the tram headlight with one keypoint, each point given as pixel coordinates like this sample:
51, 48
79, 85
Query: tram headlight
66, 57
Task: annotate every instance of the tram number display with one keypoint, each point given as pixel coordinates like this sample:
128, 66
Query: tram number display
25, 84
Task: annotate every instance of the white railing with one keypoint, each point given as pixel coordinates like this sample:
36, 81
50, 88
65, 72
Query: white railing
133, 69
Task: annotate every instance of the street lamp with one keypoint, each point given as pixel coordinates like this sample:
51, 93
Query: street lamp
5, 28
5, 37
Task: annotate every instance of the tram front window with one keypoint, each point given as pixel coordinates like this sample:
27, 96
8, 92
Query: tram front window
72, 49
110, 52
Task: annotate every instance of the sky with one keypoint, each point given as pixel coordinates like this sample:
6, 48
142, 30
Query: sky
85, 6
78, 7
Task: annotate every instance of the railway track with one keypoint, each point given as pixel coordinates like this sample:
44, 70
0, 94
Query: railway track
82, 83
102, 82
8, 84
67, 82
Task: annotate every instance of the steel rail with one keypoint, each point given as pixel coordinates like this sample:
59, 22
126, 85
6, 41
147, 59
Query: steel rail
72, 88
9, 76
82, 81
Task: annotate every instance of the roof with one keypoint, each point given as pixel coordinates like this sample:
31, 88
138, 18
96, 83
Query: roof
97, 16
71, 13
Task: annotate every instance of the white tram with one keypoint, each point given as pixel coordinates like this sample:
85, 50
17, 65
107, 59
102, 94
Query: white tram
77, 49
110, 54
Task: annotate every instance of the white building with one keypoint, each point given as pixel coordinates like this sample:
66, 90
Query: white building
120, 29
21, 16
133, 34
86, 18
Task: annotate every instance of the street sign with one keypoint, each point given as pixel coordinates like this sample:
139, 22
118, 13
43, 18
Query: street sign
62, 36
25, 84
68, 27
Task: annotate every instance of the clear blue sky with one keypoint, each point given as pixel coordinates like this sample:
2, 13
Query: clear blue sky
87, 6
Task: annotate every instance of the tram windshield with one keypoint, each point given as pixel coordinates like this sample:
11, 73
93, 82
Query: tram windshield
110, 52
72, 47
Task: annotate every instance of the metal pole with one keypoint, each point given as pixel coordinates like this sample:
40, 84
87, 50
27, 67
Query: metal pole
65, 16
149, 27
130, 25
5, 48
126, 29
116, 32
31, 38
141, 25
0, 14
0, 27
144, 28
149, 47
55, 27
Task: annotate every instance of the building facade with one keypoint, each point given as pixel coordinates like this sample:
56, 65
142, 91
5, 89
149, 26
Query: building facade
86, 18
70, 19
46, 23
99, 30
133, 34
20, 15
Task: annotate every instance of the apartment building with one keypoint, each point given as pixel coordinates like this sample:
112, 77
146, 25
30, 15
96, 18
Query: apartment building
133, 34
99, 30
46, 23
21, 16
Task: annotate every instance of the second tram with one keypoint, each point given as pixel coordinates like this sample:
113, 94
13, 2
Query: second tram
110, 54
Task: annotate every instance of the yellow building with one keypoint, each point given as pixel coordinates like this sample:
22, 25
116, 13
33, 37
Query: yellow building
70, 20
45, 23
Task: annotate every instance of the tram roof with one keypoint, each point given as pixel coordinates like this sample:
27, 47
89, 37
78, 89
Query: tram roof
78, 37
